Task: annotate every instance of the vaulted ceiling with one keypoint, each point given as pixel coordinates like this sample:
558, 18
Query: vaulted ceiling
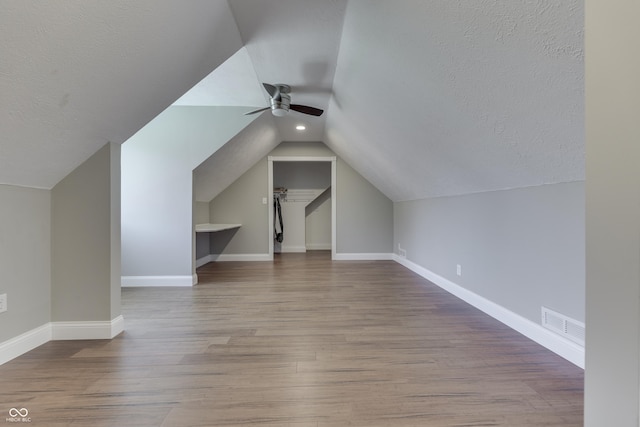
424, 99
453, 97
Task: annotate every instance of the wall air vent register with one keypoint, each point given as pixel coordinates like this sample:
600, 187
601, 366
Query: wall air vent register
564, 326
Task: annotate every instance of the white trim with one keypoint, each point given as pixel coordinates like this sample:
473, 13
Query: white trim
363, 257
214, 228
318, 246
270, 219
95, 330
293, 249
117, 326
302, 158
554, 342
153, 281
565, 326
25, 342
334, 208
205, 260
332, 159
242, 257
90, 330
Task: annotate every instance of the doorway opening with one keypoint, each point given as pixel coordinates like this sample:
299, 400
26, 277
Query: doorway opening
300, 203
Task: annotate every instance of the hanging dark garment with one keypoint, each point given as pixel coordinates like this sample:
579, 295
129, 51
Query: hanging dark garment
277, 212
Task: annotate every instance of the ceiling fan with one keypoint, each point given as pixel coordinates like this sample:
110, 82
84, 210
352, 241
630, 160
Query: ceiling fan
281, 102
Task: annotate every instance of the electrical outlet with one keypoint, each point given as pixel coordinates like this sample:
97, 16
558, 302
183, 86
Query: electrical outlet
3, 303
459, 270
401, 252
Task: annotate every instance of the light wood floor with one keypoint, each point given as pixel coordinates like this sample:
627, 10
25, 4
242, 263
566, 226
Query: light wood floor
301, 342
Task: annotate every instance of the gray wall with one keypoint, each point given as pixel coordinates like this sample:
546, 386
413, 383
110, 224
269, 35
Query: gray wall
302, 175
85, 218
318, 223
201, 216
25, 259
241, 203
308, 149
201, 212
521, 248
612, 376
157, 186
364, 214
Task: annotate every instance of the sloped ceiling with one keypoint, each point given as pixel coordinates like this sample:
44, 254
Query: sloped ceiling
75, 75
286, 41
429, 99
233, 83
294, 42
424, 99
449, 97
236, 157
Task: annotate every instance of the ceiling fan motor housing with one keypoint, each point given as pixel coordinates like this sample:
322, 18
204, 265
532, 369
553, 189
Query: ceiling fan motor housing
280, 104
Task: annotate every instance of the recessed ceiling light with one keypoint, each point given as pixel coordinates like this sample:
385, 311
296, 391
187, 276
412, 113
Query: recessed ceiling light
301, 127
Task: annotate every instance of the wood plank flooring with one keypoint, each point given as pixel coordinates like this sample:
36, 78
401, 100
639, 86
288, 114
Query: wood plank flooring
301, 342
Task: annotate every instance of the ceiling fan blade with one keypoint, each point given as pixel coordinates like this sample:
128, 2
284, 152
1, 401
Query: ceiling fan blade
257, 111
306, 109
271, 89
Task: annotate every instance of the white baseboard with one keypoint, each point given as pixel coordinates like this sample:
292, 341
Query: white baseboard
28, 341
23, 343
293, 249
152, 281
569, 350
241, 257
318, 246
363, 257
91, 330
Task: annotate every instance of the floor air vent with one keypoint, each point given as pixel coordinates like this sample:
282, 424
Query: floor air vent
563, 325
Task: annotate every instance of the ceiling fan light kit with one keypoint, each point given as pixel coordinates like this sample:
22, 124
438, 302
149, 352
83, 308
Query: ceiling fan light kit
280, 105
281, 102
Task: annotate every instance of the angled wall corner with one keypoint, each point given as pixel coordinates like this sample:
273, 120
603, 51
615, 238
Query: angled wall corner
157, 190
85, 219
364, 221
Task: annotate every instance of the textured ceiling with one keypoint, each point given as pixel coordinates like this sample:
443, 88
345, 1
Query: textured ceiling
74, 75
233, 83
294, 42
452, 97
424, 99
429, 99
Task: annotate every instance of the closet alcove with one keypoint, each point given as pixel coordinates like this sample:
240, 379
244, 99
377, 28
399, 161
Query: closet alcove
303, 189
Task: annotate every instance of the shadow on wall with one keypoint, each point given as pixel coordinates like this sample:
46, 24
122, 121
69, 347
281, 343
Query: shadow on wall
317, 202
219, 240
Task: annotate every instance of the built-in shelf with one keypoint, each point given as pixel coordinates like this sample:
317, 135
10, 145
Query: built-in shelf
211, 228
